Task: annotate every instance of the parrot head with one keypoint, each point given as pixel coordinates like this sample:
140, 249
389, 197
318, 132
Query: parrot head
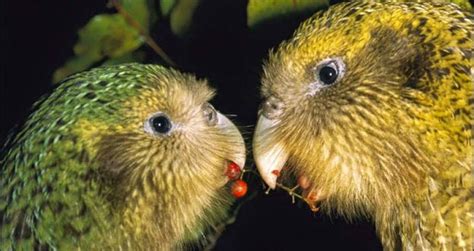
138, 147
166, 155
353, 104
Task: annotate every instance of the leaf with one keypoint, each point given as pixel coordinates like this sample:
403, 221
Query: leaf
105, 36
166, 6
259, 11
71, 66
182, 15
139, 10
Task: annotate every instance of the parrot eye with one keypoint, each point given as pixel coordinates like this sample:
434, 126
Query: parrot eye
158, 124
327, 73
210, 114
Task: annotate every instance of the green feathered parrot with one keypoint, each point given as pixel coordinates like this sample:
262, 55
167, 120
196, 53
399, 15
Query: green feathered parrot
128, 157
370, 107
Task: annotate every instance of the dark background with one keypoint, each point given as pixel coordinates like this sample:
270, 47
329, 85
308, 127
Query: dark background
37, 37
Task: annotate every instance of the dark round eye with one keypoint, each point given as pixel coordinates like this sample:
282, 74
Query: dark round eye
161, 124
158, 124
328, 74
210, 114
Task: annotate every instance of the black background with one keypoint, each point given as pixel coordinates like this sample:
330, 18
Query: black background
37, 37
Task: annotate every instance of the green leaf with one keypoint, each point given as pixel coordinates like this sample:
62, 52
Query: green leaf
105, 36
138, 9
259, 11
166, 6
182, 15
71, 66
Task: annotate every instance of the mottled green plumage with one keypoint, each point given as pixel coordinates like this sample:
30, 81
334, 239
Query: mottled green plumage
83, 172
391, 138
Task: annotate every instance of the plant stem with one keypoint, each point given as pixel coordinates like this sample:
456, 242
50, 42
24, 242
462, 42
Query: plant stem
148, 39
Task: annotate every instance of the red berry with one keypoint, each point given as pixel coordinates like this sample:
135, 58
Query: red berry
312, 196
233, 171
276, 173
238, 188
303, 181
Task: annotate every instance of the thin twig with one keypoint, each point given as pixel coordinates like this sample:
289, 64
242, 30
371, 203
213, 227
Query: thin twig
148, 40
291, 191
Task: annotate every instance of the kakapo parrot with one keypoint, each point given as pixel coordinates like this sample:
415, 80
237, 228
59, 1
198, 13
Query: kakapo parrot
370, 107
127, 157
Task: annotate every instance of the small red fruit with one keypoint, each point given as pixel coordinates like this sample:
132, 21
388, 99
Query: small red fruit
276, 173
303, 181
312, 196
233, 171
238, 188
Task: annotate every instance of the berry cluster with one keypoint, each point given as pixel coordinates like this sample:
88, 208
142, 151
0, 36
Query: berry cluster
238, 187
309, 196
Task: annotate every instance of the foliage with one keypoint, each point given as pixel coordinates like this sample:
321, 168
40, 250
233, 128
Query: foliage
105, 36
119, 38
262, 10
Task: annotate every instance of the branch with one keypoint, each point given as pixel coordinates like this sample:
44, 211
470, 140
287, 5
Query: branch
148, 40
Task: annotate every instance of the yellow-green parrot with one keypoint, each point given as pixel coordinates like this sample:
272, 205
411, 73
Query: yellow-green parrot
128, 157
370, 107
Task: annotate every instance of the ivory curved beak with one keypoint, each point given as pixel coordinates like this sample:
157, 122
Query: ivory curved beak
269, 154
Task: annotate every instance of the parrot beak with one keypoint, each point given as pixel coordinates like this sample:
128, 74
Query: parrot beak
231, 129
270, 156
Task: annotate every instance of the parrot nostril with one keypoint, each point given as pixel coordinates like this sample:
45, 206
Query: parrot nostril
272, 108
210, 114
